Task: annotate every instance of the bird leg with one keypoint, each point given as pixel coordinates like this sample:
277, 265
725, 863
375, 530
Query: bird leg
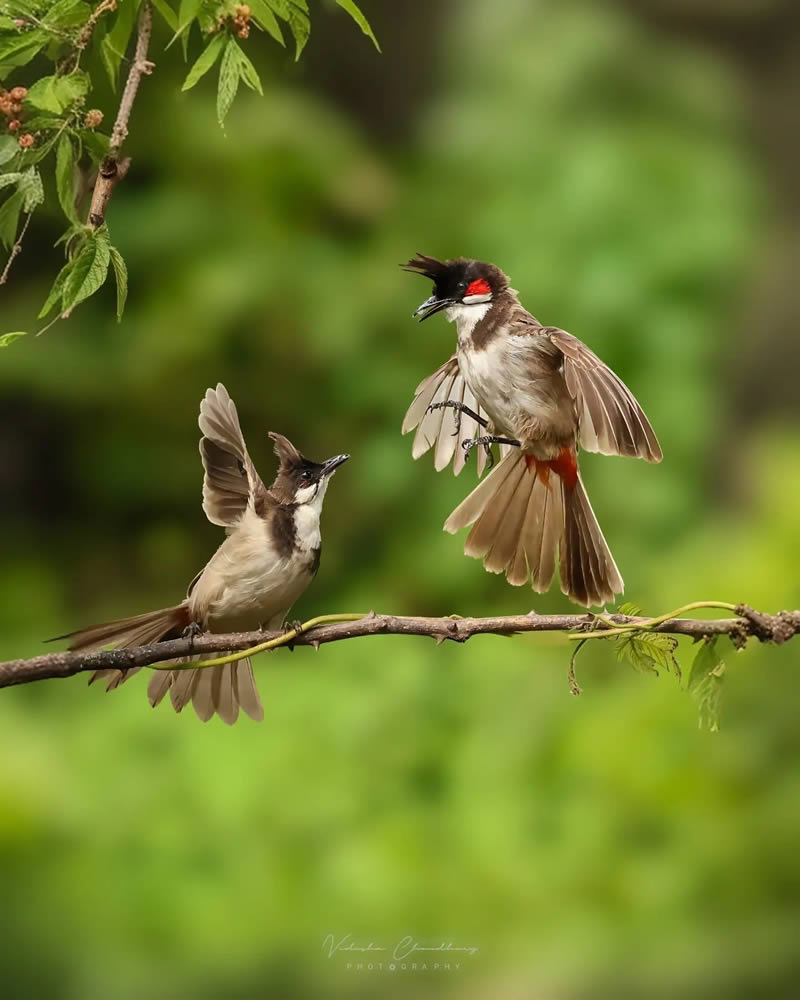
487, 440
192, 631
461, 408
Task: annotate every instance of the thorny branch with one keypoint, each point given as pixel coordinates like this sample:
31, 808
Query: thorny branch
746, 624
113, 169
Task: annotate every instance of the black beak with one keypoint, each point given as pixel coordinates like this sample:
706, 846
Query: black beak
431, 306
332, 464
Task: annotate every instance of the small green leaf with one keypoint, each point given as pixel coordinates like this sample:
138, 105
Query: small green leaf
265, 19
629, 610
295, 13
187, 12
95, 143
66, 14
247, 71
207, 58
648, 651
9, 338
30, 187
167, 13
65, 177
114, 45
9, 219
89, 270
18, 50
354, 12
6, 179
228, 80
705, 683
56, 292
9, 147
57, 93
121, 277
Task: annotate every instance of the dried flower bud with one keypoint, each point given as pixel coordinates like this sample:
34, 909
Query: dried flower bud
19, 93
25, 141
243, 11
244, 31
93, 118
13, 125
19, 22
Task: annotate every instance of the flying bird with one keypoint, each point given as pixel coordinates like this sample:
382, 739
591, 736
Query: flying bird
271, 554
539, 393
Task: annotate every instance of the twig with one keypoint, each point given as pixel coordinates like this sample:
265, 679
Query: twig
113, 169
15, 250
71, 64
747, 623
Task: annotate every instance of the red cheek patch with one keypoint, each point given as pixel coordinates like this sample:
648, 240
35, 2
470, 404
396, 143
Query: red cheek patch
478, 287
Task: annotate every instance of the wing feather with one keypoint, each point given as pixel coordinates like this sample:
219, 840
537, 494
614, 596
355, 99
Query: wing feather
612, 421
436, 429
231, 480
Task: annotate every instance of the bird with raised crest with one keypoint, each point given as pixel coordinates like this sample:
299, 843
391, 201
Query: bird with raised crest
539, 393
270, 556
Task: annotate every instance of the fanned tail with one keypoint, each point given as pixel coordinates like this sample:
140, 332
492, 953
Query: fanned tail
223, 690
525, 512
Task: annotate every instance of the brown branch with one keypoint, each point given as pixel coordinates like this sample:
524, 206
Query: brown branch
766, 628
113, 169
15, 250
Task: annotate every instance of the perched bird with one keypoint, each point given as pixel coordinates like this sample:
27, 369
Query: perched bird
539, 393
270, 556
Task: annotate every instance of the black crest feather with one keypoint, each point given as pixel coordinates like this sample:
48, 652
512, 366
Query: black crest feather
428, 267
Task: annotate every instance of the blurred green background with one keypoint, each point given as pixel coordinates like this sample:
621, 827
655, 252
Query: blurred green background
633, 166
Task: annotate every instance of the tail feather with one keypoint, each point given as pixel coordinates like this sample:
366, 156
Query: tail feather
523, 514
219, 690
138, 630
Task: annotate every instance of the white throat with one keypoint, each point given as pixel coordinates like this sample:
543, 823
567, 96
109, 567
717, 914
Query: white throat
466, 317
307, 515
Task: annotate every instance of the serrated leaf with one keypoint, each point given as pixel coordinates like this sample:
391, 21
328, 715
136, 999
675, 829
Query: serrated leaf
65, 177
206, 60
115, 44
95, 143
56, 292
6, 179
629, 610
67, 14
18, 50
9, 338
295, 13
705, 683
706, 660
356, 14
228, 80
56, 93
88, 272
265, 19
247, 71
9, 147
121, 278
187, 12
30, 187
648, 651
167, 13
9, 219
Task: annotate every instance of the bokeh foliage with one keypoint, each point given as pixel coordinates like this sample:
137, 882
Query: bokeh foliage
589, 847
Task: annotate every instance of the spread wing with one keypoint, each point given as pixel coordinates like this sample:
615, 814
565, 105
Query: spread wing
611, 420
231, 480
444, 429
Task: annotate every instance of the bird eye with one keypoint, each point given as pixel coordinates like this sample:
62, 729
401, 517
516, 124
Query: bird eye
461, 286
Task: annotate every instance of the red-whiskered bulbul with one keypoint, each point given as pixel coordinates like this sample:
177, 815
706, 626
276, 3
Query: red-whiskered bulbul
539, 393
270, 556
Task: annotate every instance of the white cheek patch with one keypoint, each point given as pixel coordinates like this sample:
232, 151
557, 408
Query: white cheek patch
474, 300
306, 494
